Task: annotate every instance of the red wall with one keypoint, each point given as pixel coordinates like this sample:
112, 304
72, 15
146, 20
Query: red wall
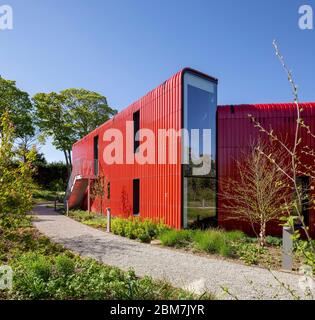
236, 133
160, 184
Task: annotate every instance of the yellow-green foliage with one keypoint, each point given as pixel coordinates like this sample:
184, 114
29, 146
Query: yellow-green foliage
177, 238
212, 241
135, 228
16, 184
43, 270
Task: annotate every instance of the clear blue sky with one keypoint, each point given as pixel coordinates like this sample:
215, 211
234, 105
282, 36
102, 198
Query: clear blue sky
124, 48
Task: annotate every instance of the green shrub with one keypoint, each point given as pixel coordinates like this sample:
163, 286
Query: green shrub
64, 265
72, 277
135, 228
43, 270
176, 238
90, 219
274, 241
250, 253
118, 226
32, 272
38, 265
131, 227
212, 241
234, 235
81, 215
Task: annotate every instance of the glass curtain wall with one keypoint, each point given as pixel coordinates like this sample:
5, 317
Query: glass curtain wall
199, 150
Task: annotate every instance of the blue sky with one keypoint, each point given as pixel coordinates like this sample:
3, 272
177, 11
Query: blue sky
124, 48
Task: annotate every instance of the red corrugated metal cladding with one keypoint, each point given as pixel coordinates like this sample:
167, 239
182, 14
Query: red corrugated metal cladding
236, 133
160, 184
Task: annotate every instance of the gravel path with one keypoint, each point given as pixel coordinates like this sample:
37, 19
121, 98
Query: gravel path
181, 269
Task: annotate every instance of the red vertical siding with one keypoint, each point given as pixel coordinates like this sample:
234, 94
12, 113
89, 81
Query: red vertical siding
160, 184
235, 134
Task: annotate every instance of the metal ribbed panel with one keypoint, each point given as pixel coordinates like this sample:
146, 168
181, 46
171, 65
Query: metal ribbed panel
236, 132
160, 184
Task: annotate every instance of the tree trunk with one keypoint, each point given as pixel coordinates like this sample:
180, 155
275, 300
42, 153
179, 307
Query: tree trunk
262, 234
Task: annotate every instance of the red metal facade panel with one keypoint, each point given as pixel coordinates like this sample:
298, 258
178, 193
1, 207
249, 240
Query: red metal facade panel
160, 184
236, 132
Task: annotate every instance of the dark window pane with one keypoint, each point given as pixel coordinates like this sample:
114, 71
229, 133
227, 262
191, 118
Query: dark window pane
96, 155
108, 190
136, 196
201, 114
136, 128
201, 200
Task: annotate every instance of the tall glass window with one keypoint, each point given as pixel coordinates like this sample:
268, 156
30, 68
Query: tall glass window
199, 150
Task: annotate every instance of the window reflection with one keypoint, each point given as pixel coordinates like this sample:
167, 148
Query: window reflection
200, 171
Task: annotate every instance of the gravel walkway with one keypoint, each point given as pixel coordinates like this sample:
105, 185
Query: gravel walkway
181, 269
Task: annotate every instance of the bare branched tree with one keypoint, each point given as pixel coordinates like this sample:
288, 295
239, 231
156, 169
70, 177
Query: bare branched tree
298, 166
99, 190
259, 193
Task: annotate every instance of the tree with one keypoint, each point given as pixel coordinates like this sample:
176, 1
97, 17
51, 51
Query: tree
53, 119
69, 115
16, 185
260, 192
88, 110
100, 190
19, 107
296, 166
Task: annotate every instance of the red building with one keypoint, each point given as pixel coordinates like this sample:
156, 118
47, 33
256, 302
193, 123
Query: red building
161, 189
178, 182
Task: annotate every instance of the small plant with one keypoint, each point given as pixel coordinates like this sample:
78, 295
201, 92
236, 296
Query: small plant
234, 235
274, 241
37, 265
250, 253
135, 228
118, 226
212, 241
65, 266
177, 238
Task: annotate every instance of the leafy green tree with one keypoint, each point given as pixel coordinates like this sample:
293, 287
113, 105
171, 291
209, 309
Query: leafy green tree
69, 115
87, 109
16, 185
19, 106
53, 119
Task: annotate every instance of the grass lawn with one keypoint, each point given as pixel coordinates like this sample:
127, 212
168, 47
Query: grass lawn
91, 219
42, 196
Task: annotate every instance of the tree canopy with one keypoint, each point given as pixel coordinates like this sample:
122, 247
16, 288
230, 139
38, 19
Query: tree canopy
19, 106
87, 110
69, 115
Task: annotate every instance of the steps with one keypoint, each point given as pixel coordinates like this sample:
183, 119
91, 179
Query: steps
77, 192
83, 170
